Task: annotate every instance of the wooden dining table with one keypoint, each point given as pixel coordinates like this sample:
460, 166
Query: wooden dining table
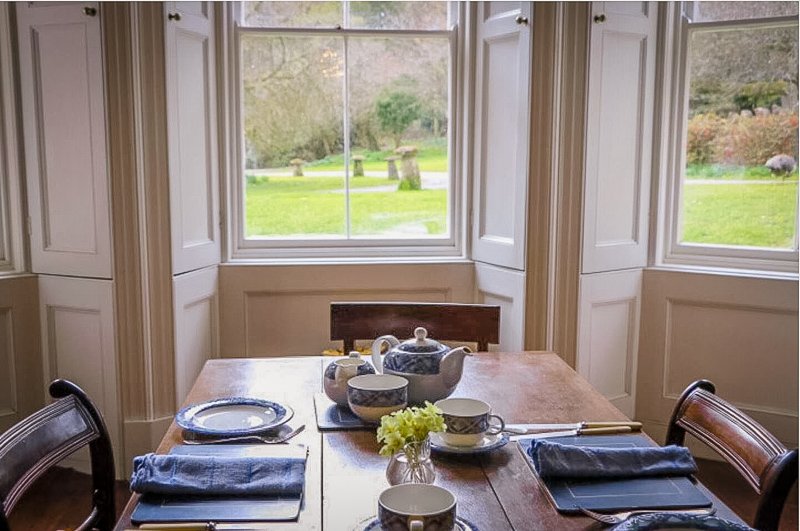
344, 473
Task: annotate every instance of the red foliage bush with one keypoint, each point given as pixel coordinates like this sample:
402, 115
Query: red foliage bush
701, 138
740, 140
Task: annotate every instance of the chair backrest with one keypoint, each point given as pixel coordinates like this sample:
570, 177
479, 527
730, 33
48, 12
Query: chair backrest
767, 465
32, 446
476, 323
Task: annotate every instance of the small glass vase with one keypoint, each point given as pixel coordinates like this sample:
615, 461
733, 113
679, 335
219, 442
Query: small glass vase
412, 465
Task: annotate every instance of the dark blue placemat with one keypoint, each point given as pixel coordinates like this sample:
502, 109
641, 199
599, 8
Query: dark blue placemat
331, 416
157, 508
567, 495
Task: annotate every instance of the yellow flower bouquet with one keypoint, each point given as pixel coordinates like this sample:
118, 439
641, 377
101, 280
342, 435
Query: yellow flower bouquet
410, 425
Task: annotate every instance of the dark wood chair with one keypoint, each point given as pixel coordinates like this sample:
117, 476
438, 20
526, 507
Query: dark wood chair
767, 465
32, 446
474, 323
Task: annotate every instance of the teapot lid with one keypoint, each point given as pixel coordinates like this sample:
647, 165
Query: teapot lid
421, 343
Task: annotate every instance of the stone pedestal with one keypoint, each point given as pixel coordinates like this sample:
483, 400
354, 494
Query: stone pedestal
297, 167
409, 169
391, 163
358, 165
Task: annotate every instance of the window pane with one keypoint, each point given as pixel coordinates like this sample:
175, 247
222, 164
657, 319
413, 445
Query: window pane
399, 15
713, 11
292, 14
398, 126
293, 115
740, 183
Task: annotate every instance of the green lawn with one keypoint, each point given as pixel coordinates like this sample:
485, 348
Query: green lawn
432, 157
315, 206
758, 215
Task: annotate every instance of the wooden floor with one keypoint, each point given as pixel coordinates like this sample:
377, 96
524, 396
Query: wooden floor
60, 499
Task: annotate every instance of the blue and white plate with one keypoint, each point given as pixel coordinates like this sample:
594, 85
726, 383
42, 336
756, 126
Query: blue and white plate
373, 524
656, 521
487, 444
229, 417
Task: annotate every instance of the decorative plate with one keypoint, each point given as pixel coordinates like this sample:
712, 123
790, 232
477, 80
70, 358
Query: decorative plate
655, 521
229, 417
487, 444
373, 524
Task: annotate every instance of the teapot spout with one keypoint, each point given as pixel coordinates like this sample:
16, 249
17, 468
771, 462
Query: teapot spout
452, 365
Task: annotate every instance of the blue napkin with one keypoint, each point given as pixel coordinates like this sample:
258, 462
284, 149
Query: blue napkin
216, 475
553, 459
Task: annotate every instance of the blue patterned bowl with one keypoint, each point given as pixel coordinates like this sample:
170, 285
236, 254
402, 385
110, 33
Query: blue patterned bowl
371, 396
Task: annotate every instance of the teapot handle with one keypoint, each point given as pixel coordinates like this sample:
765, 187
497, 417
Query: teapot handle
376, 351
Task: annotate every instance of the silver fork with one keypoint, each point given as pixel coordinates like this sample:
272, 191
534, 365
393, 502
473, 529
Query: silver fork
618, 518
251, 438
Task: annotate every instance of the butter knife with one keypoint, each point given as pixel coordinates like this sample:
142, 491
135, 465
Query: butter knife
610, 430
525, 429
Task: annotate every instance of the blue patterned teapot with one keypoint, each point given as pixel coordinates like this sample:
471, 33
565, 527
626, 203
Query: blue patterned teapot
432, 369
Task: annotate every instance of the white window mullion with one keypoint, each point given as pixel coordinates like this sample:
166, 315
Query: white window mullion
346, 131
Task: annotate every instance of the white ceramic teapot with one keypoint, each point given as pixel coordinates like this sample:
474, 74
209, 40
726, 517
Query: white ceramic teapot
432, 369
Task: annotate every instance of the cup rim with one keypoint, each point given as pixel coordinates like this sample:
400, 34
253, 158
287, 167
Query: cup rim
377, 382
415, 486
484, 407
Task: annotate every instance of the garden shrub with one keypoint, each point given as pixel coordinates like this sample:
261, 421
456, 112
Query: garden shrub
750, 141
760, 94
701, 138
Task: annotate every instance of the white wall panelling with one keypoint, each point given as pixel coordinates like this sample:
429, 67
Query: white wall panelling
20, 351
505, 288
608, 339
739, 332
77, 321
502, 126
619, 135
196, 326
192, 135
63, 115
285, 310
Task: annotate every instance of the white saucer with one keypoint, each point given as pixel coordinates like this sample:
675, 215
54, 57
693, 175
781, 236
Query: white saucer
373, 524
487, 444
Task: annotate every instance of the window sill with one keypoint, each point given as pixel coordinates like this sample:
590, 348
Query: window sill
725, 271
329, 261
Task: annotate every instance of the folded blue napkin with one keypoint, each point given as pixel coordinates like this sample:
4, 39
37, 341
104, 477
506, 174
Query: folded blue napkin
216, 475
553, 459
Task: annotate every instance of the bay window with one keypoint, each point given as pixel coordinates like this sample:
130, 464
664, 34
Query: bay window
347, 131
733, 194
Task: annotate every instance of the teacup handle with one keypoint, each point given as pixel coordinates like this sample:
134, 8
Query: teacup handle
494, 429
415, 525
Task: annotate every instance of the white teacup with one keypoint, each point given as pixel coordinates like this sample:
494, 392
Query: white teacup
417, 507
468, 420
371, 396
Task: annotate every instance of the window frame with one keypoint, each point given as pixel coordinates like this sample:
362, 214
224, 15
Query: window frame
12, 247
346, 249
677, 80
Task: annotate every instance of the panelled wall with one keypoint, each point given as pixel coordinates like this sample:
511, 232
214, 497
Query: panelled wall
284, 310
741, 333
68, 191
619, 120
20, 350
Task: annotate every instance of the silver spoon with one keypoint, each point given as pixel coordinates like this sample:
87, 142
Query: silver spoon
251, 438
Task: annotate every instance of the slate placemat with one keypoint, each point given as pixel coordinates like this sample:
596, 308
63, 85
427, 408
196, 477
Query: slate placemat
160, 508
331, 416
567, 495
